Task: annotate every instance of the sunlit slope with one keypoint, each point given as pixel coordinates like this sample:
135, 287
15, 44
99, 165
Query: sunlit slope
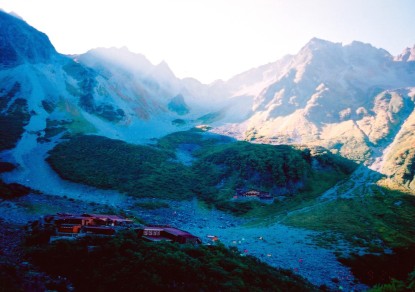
400, 158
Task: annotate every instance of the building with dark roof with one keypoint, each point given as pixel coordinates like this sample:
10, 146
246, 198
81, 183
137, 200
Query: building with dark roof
167, 233
264, 197
74, 225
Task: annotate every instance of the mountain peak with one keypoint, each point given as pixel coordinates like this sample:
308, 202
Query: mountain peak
22, 43
317, 44
12, 13
408, 55
317, 40
358, 45
318, 48
163, 66
164, 69
119, 57
366, 50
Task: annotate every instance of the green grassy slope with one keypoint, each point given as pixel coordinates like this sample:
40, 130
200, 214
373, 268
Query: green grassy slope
375, 220
111, 164
220, 166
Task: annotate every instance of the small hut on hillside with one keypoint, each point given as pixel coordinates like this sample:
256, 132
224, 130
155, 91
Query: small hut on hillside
167, 233
242, 194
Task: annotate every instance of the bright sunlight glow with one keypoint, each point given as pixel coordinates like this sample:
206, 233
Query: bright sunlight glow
216, 39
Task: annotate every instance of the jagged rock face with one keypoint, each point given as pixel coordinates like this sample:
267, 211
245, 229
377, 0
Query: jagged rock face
407, 55
346, 98
178, 105
131, 78
327, 81
112, 92
355, 100
20, 42
399, 159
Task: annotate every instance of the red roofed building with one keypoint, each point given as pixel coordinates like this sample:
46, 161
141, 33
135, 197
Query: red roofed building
71, 225
68, 229
103, 219
73, 219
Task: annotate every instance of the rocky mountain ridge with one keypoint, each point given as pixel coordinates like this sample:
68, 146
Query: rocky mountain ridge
353, 99
356, 100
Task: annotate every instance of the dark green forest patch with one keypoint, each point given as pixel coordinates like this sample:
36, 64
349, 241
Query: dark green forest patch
6, 166
13, 190
126, 263
137, 170
14, 116
220, 166
152, 205
381, 269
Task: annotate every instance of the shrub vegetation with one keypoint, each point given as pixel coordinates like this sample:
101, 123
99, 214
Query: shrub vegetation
14, 116
126, 263
220, 166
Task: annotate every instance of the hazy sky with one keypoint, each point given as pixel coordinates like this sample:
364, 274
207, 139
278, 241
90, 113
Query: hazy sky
212, 39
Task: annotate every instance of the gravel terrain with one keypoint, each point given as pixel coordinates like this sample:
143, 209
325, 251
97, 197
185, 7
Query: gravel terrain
278, 245
33, 171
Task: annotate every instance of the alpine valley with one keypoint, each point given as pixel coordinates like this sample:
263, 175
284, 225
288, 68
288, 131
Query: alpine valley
328, 133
